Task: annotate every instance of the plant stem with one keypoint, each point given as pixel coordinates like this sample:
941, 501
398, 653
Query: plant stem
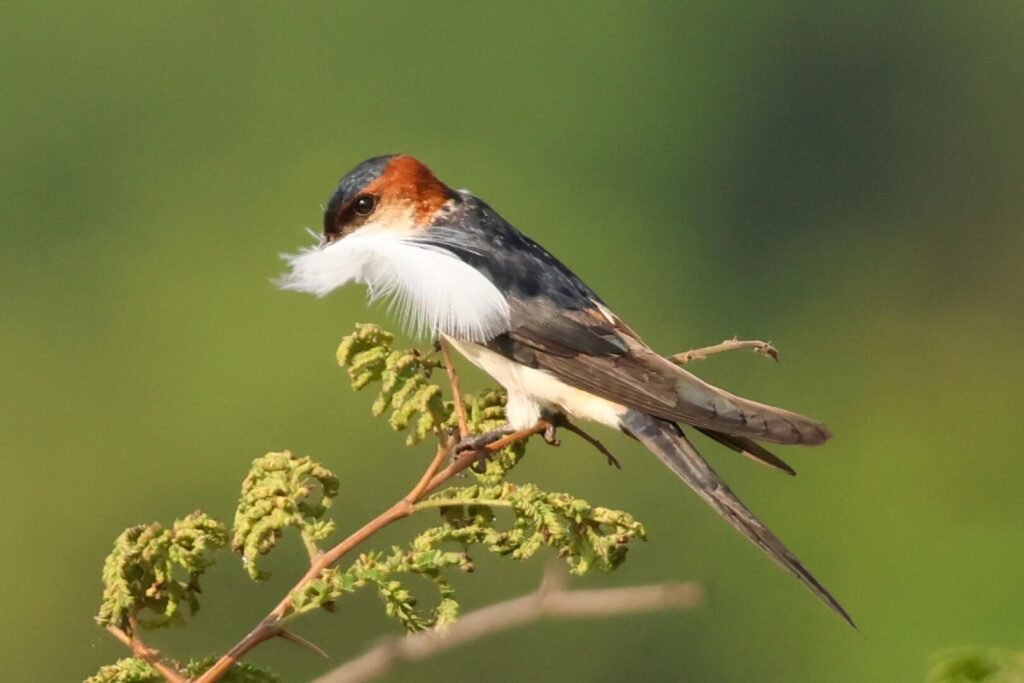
453, 378
451, 502
270, 625
140, 650
311, 547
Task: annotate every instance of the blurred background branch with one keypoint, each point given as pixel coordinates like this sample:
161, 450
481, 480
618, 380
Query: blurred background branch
552, 599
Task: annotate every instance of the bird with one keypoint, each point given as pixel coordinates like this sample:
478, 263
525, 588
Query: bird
454, 269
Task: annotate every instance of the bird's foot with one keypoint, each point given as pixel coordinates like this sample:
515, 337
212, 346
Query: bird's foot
482, 441
476, 447
483, 446
550, 433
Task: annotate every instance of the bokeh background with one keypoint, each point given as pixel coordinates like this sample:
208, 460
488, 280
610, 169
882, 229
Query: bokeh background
845, 181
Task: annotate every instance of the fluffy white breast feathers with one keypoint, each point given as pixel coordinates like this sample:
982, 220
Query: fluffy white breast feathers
430, 289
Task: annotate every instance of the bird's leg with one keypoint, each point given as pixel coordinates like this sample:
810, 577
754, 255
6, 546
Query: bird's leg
559, 420
484, 445
550, 433
764, 348
612, 460
476, 447
482, 441
547, 427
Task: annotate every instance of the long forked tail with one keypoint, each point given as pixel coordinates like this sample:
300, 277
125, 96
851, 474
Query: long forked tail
666, 441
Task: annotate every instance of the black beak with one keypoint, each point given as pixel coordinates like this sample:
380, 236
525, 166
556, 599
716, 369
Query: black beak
332, 231
332, 218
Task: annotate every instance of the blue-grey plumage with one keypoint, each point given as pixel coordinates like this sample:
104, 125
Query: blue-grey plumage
462, 272
560, 325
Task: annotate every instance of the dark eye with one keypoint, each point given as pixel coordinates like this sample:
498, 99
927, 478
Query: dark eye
364, 205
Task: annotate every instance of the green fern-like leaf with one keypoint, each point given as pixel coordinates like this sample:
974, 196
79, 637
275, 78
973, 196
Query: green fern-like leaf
142, 571
281, 491
585, 536
241, 672
381, 570
129, 670
415, 402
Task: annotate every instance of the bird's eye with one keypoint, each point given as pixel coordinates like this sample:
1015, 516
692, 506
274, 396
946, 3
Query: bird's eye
364, 205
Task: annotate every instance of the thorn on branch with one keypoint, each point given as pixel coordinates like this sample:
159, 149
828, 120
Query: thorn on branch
303, 643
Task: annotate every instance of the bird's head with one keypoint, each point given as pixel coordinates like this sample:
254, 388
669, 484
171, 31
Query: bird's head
394, 193
386, 226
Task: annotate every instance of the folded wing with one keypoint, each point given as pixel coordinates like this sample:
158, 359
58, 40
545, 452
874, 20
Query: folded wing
591, 350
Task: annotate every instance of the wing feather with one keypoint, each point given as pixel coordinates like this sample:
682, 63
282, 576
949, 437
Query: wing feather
585, 349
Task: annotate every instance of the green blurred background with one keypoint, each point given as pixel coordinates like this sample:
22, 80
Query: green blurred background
844, 181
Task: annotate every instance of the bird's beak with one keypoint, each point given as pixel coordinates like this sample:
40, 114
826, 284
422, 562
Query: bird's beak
331, 233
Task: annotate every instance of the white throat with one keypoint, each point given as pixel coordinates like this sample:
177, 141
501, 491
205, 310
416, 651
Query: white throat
431, 290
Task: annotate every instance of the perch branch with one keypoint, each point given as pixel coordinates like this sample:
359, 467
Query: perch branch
271, 625
764, 348
551, 599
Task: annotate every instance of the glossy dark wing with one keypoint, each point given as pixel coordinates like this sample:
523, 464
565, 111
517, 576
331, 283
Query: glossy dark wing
560, 325
641, 379
584, 352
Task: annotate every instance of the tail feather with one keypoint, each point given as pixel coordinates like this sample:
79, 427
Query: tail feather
743, 417
666, 441
751, 449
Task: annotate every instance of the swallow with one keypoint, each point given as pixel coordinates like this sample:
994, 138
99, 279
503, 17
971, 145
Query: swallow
454, 269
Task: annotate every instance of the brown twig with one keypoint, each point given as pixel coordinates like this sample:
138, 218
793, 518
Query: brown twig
764, 348
142, 651
551, 599
428, 474
270, 625
453, 378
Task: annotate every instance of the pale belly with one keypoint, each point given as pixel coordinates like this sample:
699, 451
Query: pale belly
530, 390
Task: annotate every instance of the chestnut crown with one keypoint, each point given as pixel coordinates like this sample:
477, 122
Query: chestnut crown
395, 188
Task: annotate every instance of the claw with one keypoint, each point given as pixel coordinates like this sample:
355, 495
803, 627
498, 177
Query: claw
476, 447
480, 447
550, 434
482, 441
